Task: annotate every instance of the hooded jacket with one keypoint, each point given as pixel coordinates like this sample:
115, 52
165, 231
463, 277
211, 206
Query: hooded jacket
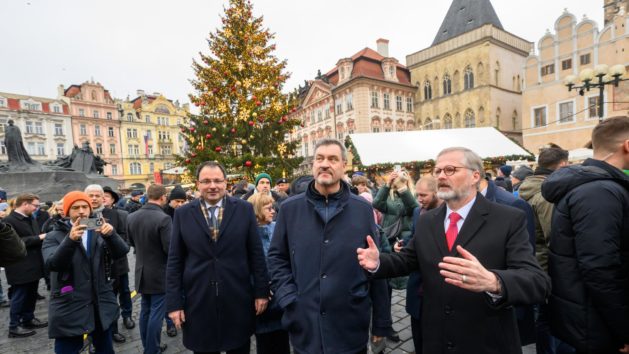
531, 191
589, 256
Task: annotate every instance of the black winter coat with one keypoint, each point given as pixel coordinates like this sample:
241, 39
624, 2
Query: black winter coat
72, 313
150, 228
589, 256
12, 248
118, 219
31, 268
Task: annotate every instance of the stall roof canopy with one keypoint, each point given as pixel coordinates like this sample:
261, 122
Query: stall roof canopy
379, 148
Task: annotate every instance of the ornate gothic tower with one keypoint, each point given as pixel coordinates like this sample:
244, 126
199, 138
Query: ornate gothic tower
612, 7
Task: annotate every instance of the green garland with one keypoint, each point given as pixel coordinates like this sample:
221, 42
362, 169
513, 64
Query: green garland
417, 166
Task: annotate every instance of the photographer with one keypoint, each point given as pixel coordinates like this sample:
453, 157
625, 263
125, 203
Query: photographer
82, 299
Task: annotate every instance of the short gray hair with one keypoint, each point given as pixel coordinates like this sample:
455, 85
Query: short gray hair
471, 159
330, 141
94, 187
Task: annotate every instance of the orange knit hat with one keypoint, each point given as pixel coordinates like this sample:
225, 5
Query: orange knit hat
71, 198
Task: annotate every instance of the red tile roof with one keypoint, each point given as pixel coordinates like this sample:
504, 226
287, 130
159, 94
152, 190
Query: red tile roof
368, 63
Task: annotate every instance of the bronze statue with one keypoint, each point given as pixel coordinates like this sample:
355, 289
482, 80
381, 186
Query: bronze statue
14, 145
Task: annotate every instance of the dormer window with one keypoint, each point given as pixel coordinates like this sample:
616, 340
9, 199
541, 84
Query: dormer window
31, 105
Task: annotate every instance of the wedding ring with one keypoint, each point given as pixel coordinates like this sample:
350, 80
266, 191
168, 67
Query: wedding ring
463, 278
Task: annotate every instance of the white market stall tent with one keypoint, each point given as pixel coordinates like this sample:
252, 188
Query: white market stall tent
424, 145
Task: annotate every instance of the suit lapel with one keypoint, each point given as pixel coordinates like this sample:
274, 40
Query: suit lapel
439, 234
228, 212
197, 214
474, 221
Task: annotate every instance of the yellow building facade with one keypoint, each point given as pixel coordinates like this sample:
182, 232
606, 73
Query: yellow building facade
150, 137
471, 75
552, 114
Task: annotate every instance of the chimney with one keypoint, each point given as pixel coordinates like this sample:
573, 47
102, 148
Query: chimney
383, 47
60, 91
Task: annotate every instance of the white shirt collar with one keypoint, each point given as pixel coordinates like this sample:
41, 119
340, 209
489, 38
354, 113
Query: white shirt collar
463, 211
219, 204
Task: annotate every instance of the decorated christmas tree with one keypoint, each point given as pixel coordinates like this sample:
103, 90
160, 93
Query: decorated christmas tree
243, 114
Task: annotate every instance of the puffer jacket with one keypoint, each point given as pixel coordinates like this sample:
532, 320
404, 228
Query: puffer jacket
531, 191
589, 256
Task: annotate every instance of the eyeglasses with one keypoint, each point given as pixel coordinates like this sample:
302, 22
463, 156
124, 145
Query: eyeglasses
207, 182
35, 205
447, 170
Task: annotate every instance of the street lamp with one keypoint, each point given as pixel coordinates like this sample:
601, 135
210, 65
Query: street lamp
598, 77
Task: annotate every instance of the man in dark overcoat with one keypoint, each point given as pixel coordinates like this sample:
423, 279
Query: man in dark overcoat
216, 278
24, 276
326, 296
150, 228
476, 263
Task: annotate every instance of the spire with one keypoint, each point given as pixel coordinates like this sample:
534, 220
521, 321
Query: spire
464, 16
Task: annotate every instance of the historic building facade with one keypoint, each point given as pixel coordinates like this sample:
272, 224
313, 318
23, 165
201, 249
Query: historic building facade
552, 114
95, 120
45, 124
367, 92
150, 136
471, 74
613, 8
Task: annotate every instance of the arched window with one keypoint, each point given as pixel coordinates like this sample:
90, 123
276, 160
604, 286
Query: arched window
469, 78
428, 124
427, 90
447, 85
470, 121
497, 73
514, 120
375, 125
447, 121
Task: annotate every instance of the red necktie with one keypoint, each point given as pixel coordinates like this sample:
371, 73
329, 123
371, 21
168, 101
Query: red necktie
453, 230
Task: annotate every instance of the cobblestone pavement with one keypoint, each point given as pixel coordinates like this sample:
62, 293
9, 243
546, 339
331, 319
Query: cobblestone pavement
40, 343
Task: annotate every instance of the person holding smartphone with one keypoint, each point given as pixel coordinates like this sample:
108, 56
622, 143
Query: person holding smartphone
82, 299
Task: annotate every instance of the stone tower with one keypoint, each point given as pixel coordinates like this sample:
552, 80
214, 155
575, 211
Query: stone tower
612, 7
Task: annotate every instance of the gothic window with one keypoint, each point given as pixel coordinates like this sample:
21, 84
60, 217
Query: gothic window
470, 121
427, 90
447, 85
428, 124
469, 78
447, 121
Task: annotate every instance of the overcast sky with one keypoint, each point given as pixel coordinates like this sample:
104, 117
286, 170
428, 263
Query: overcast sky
149, 44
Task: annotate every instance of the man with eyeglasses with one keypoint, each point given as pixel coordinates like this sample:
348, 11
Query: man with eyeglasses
476, 263
24, 276
216, 277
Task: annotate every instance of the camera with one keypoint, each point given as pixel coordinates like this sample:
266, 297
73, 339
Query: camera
92, 223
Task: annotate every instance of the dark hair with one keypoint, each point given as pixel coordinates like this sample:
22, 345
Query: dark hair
25, 198
156, 191
608, 134
550, 158
212, 164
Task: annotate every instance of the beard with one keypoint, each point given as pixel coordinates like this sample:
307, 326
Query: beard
454, 194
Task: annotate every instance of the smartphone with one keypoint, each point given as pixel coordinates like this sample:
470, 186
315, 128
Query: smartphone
397, 168
92, 223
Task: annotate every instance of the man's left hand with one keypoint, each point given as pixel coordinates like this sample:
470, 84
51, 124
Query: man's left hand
261, 306
106, 229
468, 273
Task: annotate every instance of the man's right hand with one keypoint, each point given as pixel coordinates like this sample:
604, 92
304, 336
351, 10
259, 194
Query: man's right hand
178, 317
77, 230
369, 258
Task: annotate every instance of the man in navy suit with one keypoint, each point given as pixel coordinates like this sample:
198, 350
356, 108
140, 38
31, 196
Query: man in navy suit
216, 277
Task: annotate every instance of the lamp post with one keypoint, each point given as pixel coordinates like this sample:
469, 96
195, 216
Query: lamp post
598, 77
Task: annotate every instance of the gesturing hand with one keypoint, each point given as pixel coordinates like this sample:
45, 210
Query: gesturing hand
468, 273
369, 258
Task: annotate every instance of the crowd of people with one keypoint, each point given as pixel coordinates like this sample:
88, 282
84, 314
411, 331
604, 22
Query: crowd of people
535, 255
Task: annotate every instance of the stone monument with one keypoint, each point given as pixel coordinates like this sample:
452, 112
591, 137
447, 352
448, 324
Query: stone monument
52, 180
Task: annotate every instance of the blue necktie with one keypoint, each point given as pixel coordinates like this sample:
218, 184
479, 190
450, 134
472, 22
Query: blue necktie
89, 243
